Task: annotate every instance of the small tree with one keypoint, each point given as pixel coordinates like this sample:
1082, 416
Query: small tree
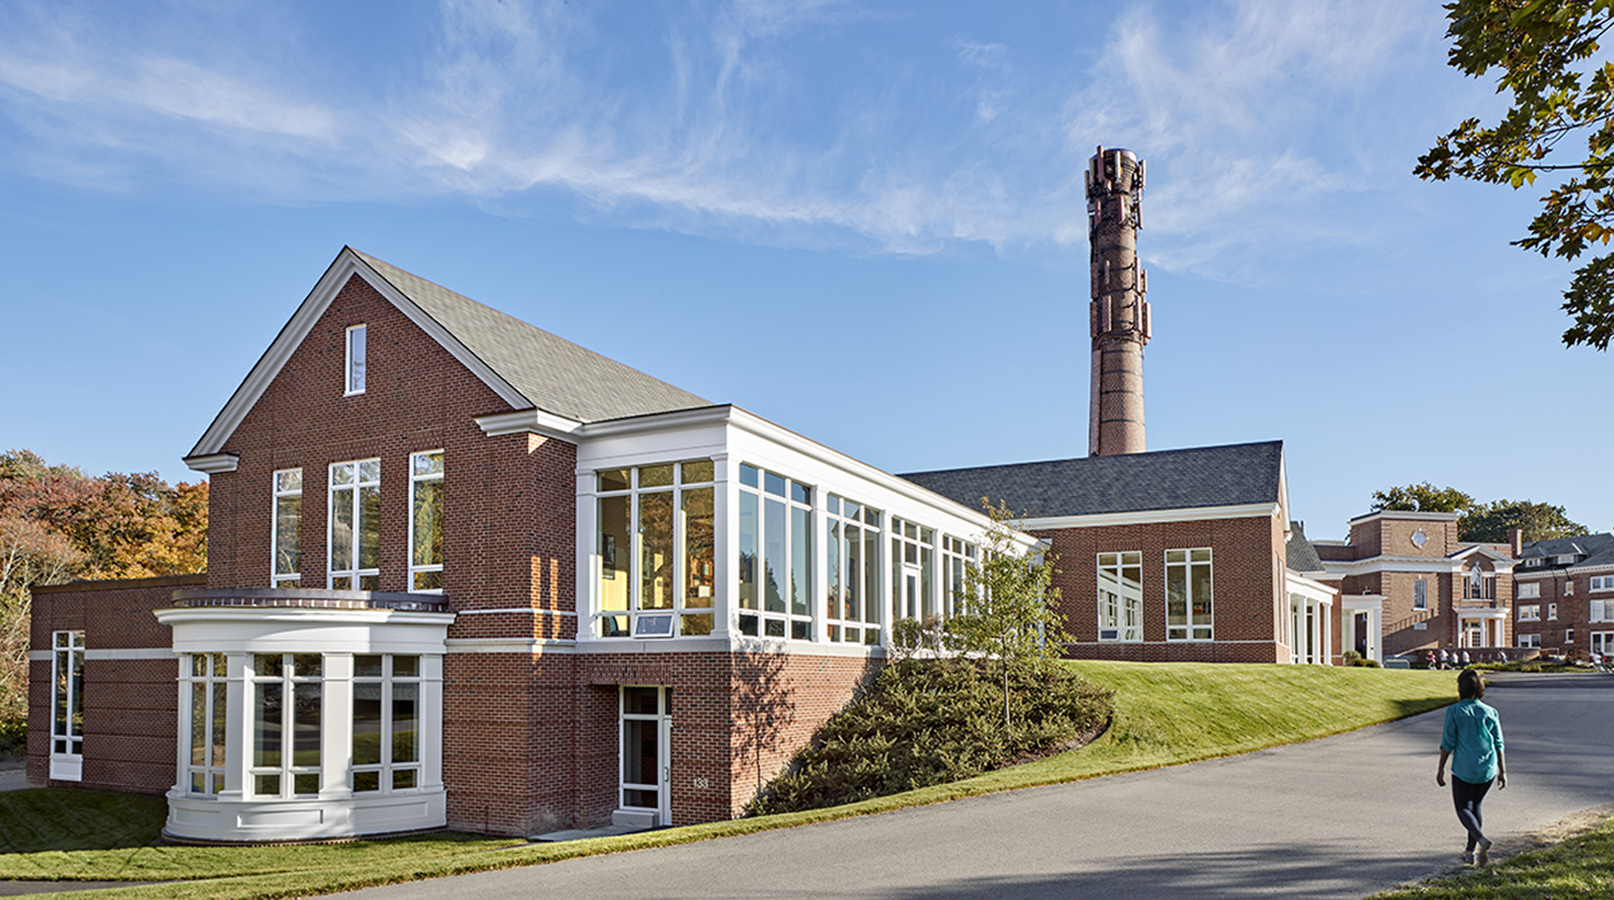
1008, 608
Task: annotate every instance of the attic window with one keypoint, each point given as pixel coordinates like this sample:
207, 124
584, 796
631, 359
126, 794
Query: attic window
355, 359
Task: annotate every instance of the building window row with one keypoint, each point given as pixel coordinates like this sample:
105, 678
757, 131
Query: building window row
1530, 612
1602, 611
284, 699
353, 525
1120, 596
1189, 595
657, 540
1529, 641
1529, 590
1602, 582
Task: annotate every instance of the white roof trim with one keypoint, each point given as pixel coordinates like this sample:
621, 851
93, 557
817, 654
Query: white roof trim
533, 420
213, 463
1427, 565
1408, 515
346, 265
1151, 516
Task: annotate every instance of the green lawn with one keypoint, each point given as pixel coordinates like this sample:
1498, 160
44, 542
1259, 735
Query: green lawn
1582, 866
1164, 714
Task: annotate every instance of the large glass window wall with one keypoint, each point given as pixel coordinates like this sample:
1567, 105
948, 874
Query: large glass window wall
852, 614
656, 545
386, 723
776, 555
958, 556
287, 697
913, 553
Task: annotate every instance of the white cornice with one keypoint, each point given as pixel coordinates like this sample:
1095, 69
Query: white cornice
1151, 516
533, 420
346, 265
1431, 565
175, 615
214, 463
1407, 515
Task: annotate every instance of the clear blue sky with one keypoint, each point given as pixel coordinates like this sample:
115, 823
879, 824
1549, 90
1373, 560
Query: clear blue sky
862, 221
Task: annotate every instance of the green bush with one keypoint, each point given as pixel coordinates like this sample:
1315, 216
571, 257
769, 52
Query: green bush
926, 722
13, 737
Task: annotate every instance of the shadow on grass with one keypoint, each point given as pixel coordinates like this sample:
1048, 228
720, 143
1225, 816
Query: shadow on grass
39, 819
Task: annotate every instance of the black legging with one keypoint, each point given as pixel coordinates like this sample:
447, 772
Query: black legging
1467, 798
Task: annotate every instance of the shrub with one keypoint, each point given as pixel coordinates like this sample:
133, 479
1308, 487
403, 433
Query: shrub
931, 722
13, 737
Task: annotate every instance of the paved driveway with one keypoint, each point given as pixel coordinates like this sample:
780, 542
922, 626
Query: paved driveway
1341, 817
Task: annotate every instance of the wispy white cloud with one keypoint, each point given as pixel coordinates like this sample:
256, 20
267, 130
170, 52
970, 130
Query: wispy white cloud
714, 120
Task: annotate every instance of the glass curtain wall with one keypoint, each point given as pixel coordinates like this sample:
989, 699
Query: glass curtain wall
776, 559
657, 538
852, 614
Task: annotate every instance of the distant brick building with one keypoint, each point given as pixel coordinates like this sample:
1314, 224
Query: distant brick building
1564, 595
1431, 591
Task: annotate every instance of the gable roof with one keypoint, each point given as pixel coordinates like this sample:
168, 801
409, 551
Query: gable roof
1300, 555
1229, 475
528, 367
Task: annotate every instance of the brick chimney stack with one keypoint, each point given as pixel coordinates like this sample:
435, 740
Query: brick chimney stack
1118, 316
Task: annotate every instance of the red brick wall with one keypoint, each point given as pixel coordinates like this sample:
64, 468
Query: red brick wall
130, 718
509, 501
1245, 575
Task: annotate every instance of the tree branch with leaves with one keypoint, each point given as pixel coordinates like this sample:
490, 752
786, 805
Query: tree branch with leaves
1544, 52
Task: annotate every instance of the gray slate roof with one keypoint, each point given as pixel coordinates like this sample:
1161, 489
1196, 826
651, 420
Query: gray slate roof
1230, 475
1599, 549
1299, 554
554, 374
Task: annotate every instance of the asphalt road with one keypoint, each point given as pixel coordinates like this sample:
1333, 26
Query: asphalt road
1340, 817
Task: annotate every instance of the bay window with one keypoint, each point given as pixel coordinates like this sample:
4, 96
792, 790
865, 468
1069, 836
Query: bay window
287, 696
206, 689
386, 723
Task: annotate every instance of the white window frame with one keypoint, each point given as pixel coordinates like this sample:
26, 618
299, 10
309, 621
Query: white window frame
1530, 612
958, 556
1192, 630
288, 484
67, 705
1569, 635
664, 622
390, 771
1529, 641
416, 479
1569, 587
1602, 583
844, 583
210, 672
288, 772
352, 491
1601, 611
1120, 605
355, 365
1530, 590
1602, 642
1552, 610
797, 496
1420, 593
916, 559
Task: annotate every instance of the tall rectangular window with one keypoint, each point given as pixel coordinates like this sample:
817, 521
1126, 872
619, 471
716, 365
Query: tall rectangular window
913, 549
355, 526
67, 700
957, 558
1188, 595
386, 723
776, 510
207, 689
287, 695
1120, 596
426, 521
1420, 593
657, 537
287, 569
355, 359
852, 613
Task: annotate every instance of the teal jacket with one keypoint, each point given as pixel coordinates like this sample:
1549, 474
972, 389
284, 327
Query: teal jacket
1473, 737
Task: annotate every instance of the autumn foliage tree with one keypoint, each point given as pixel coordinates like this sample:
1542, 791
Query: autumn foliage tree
57, 525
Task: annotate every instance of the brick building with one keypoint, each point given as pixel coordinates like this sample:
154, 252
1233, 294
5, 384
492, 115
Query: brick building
463, 572
1176, 555
1564, 595
1430, 591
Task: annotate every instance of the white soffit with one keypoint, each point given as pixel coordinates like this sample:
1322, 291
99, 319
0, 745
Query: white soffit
1151, 516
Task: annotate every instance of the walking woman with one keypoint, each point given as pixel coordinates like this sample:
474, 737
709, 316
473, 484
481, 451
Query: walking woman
1472, 740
